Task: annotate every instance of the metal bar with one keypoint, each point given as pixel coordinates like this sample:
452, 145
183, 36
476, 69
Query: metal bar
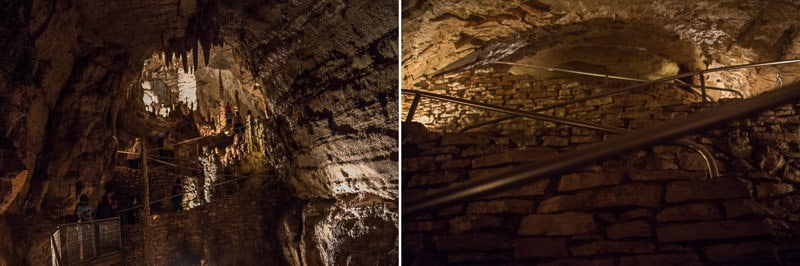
638, 86
713, 171
703, 87
54, 245
413, 108
599, 151
555, 69
566, 121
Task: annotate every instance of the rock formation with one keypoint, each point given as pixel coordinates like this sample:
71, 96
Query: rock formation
322, 74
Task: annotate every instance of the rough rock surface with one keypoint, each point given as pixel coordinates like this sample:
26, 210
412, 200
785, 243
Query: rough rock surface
634, 38
71, 95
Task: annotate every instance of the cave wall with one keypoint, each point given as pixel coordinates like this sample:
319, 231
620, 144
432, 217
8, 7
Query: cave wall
329, 76
650, 207
441, 36
71, 84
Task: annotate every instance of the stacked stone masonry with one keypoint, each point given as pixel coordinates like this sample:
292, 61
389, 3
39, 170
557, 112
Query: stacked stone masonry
238, 229
650, 207
633, 110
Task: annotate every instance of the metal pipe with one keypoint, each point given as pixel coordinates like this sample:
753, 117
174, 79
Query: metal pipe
599, 151
637, 86
413, 108
703, 86
712, 165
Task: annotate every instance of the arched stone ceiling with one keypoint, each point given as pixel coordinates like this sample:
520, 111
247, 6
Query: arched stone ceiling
636, 38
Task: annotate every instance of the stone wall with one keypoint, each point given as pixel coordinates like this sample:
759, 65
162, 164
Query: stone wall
522, 92
240, 229
651, 207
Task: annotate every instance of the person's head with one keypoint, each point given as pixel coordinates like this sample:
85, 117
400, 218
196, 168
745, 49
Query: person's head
84, 198
138, 139
177, 181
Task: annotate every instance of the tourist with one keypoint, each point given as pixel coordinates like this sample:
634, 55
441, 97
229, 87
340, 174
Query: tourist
106, 208
83, 211
177, 195
135, 154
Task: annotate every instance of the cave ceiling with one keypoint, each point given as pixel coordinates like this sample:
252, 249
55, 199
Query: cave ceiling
631, 38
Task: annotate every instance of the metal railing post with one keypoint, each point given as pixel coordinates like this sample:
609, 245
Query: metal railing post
703, 86
413, 107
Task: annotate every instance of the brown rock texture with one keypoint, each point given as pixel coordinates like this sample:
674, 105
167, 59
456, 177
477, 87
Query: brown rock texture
71, 95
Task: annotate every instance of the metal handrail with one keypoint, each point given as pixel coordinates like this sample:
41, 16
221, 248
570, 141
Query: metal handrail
599, 151
711, 164
555, 69
208, 186
634, 87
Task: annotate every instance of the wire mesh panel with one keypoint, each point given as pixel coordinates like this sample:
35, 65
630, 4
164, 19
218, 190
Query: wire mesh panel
108, 236
80, 242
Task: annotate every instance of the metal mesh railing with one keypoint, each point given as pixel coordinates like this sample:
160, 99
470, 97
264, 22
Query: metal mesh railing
76, 243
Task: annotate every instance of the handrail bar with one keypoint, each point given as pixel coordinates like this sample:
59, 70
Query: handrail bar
208, 186
711, 164
637, 86
57, 252
555, 69
599, 151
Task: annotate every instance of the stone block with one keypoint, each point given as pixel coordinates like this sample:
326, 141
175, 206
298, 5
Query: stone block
753, 253
646, 175
414, 132
492, 160
612, 247
427, 163
689, 212
477, 222
587, 180
691, 160
468, 138
488, 172
424, 226
472, 242
717, 188
555, 141
634, 214
628, 230
441, 150
514, 156
501, 206
532, 189
457, 164
739, 207
435, 178
540, 247
534, 154
479, 150
710, 230
482, 257
764, 190
685, 259
579, 262
644, 195
569, 223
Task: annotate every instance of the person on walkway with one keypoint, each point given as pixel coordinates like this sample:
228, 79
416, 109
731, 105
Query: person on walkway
135, 154
177, 195
169, 146
106, 208
83, 211
133, 210
160, 143
228, 114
